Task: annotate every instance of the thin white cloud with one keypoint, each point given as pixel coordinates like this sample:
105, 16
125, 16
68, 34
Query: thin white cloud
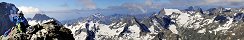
135, 6
148, 2
208, 2
88, 4
224, 2
28, 9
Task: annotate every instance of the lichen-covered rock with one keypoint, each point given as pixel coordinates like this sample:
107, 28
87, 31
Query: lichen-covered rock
47, 31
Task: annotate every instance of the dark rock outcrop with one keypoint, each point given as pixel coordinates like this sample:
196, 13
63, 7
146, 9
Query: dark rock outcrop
6, 9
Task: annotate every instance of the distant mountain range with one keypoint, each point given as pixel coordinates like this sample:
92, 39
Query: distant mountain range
167, 24
170, 24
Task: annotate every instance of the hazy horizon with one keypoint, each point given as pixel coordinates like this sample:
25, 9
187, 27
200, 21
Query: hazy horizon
72, 9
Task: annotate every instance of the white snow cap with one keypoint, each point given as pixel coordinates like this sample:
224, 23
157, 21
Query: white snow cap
170, 11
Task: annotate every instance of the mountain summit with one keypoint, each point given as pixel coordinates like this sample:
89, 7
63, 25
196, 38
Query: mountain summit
14, 26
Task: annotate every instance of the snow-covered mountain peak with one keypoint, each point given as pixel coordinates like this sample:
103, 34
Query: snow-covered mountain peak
98, 15
169, 24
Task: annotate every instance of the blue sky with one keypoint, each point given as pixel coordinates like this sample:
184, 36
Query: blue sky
72, 9
70, 4
52, 6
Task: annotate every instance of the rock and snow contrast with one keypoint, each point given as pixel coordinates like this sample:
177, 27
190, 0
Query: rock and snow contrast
167, 24
39, 19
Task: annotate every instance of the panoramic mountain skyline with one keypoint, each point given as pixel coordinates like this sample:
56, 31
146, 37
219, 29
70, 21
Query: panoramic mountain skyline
72, 9
121, 20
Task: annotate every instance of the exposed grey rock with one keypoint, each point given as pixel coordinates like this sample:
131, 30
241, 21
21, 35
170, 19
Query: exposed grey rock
47, 31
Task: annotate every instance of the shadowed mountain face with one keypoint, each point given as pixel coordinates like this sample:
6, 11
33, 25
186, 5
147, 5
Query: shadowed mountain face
40, 17
6, 9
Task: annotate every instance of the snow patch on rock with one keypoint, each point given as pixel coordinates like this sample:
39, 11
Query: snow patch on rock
170, 11
202, 31
173, 29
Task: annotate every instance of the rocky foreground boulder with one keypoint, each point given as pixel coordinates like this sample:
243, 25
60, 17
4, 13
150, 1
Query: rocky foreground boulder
47, 31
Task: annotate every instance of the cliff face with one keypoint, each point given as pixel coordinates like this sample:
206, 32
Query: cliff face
6, 12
